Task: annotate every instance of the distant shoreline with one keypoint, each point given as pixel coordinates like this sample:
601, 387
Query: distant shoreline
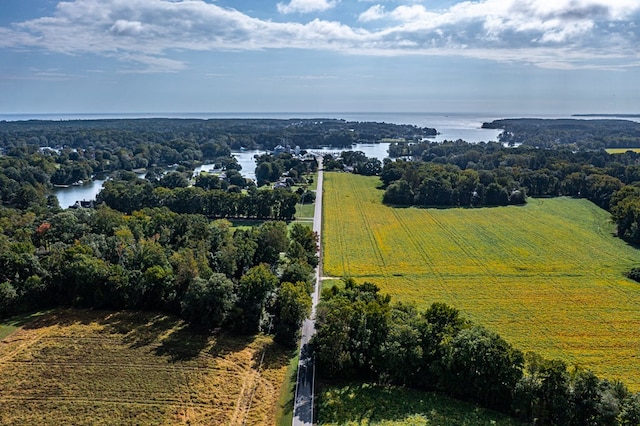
608, 115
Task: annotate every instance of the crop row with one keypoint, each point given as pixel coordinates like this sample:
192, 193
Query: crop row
548, 276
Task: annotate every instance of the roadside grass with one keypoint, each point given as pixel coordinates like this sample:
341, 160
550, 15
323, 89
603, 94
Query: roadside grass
305, 211
548, 276
284, 409
310, 186
304, 214
363, 404
96, 367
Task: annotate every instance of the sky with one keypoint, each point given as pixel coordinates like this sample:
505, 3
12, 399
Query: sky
495, 56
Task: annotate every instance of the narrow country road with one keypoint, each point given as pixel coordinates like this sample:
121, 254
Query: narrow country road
303, 404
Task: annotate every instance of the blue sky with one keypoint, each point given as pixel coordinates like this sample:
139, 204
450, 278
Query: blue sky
497, 56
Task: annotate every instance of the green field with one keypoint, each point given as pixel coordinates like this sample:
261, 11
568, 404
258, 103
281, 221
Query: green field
361, 405
304, 212
621, 150
123, 368
548, 276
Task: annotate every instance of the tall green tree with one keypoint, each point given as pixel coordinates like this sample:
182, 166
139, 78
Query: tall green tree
482, 366
303, 245
292, 307
402, 350
352, 325
272, 239
208, 303
253, 290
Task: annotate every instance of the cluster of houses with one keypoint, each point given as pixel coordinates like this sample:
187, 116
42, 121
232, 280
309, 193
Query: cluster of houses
84, 204
279, 149
285, 180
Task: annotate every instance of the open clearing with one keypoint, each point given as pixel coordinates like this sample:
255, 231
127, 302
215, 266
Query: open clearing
621, 150
548, 276
117, 368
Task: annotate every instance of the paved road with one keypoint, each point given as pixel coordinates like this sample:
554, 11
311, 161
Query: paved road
303, 405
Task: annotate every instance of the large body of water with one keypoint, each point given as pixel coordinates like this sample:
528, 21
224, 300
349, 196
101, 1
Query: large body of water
451, 126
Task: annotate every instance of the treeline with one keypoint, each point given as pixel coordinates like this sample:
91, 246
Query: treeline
165, 133
361, 335
579, 134
353, 161
429, 184
243, 280
203, 198
24, 182
462, 174
625, 209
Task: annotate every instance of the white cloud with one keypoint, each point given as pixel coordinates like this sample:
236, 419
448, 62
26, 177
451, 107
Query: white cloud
151, 64
145, 33
123, 27
569, 31
413, 13
372, 14
306, 6
52, 74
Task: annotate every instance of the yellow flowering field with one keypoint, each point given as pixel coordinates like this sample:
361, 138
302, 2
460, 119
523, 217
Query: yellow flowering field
548, 276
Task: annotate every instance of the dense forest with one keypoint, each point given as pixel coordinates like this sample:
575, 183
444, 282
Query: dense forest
362, 335
154, 259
